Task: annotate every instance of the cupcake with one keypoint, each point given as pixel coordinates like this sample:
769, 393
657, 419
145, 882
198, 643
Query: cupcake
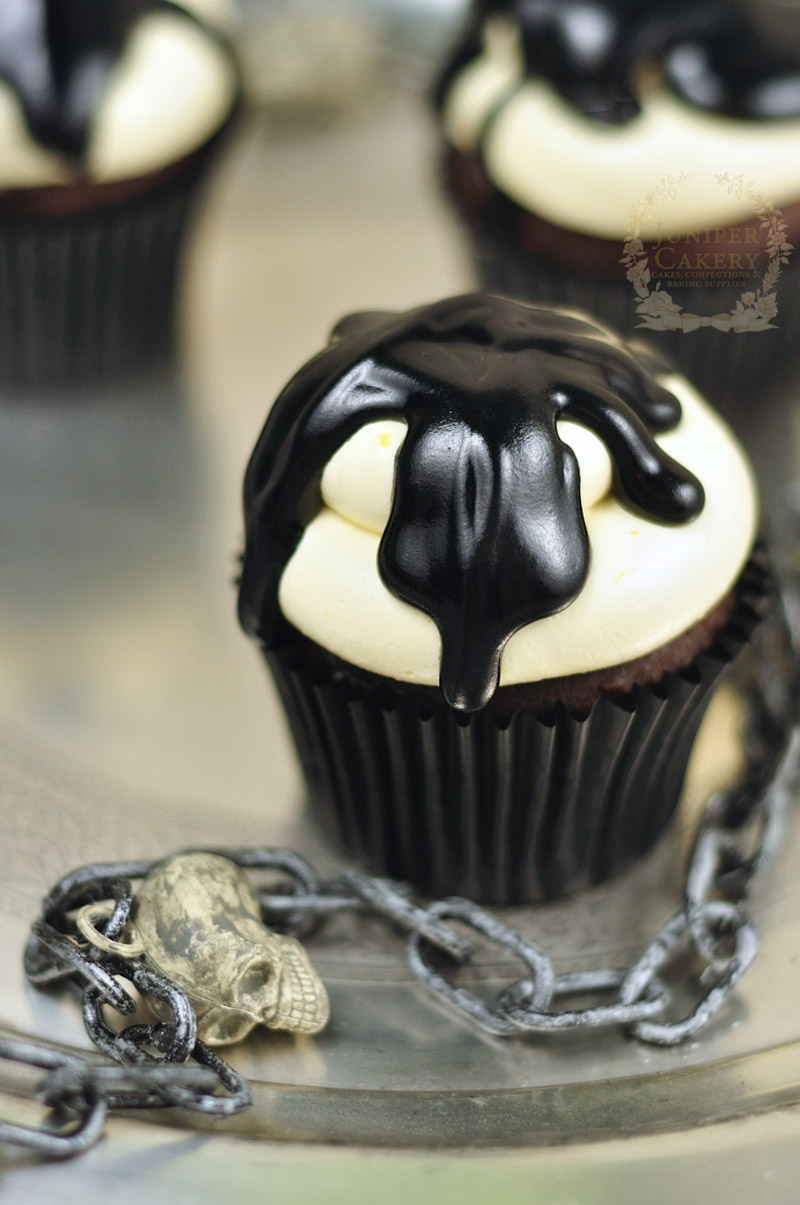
110, 111
496, 560
639, 160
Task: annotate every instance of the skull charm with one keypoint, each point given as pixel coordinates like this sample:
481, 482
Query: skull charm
200, 924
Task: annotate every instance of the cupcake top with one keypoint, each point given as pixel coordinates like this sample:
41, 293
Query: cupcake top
479, 492
107, 89
619, 94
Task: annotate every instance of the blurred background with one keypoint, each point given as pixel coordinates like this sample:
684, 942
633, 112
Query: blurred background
320, 58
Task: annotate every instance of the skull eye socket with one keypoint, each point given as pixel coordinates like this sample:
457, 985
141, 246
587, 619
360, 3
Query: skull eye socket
255, 978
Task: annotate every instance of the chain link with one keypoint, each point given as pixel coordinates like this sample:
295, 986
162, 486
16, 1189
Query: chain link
162, 1065
80, 1093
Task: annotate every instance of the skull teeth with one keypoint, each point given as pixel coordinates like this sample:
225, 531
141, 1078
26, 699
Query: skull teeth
303, 1004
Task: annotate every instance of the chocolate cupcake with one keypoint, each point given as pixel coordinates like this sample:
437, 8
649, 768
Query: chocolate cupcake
638, 160
496, 560
110, 111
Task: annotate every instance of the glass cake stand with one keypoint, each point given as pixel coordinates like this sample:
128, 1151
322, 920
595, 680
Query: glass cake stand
135, 719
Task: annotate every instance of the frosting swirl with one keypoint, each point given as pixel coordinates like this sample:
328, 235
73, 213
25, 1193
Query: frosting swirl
592, 52
580, 170
107, 88
486, 532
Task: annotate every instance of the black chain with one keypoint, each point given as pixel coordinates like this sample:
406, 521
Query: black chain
165, 1065
80, 1092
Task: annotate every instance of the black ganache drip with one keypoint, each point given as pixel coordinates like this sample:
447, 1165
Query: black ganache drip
710, 52
486, 532
58, 55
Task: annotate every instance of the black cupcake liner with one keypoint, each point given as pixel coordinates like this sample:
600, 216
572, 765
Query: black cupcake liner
89, 296
501, 808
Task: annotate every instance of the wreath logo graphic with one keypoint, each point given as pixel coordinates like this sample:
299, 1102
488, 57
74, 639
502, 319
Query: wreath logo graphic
753, 311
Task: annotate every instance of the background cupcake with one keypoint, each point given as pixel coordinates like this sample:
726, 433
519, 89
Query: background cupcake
638, 160
109, 113
495, 638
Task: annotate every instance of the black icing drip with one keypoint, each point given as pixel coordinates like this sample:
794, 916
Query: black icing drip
710, 53
58, 54
486, 532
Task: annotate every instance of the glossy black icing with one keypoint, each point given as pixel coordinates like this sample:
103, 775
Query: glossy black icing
486, 531
57, 55
710, 52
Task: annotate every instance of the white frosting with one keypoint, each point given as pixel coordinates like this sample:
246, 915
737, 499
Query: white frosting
647, 582
171, 90
584, 175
